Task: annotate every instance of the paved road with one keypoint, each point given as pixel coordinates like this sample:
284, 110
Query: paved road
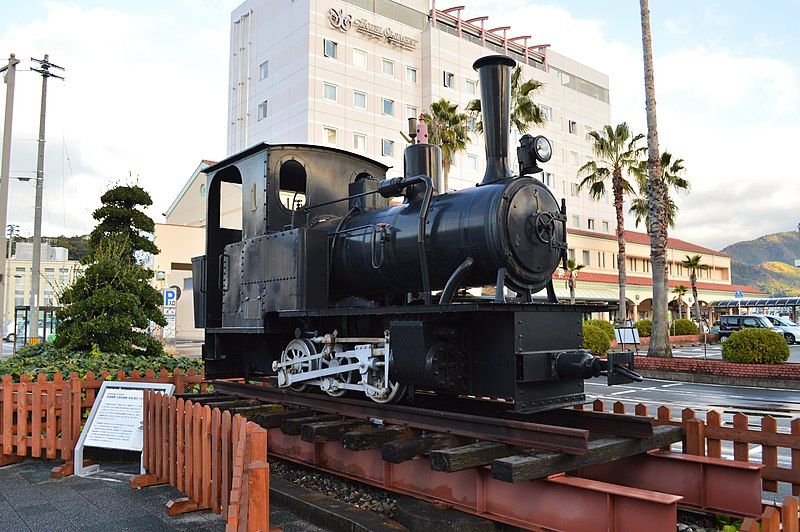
783, 405
715, 351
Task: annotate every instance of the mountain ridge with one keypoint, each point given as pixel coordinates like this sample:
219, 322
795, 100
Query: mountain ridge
767, 263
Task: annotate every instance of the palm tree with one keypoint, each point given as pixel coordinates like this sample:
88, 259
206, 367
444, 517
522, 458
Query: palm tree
523, 111
447, 127
572, 278
680, 291
616, 156
694, 263
672, 174
656, 201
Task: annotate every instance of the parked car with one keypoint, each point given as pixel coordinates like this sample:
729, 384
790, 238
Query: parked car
8, 331
791, 331
730, 324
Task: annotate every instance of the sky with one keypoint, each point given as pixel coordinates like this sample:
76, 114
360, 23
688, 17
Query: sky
145, 98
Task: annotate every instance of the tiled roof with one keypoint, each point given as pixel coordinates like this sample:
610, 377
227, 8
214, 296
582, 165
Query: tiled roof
648, 281
636, 237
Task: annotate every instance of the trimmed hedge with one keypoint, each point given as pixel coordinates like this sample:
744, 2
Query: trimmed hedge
606, 326
755, 346
48, 359
644, 326
683, 327
595, 340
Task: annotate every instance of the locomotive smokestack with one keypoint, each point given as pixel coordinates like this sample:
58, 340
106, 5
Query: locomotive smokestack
495, 79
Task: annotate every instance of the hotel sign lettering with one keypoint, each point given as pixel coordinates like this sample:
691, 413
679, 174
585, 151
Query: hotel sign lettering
342, 22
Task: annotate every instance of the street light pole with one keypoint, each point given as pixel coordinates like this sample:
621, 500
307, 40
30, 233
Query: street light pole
37, 214
10, 75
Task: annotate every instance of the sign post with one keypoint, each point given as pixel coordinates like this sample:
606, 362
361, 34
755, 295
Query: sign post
116, 420
171, 296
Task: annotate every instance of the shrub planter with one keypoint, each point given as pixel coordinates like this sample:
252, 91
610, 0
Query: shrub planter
786, 376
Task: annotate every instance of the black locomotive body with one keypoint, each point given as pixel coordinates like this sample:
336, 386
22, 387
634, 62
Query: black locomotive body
329, 284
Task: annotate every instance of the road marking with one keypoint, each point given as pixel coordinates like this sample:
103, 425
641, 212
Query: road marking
673, 384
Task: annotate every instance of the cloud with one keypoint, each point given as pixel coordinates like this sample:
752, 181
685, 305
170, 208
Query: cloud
145, 92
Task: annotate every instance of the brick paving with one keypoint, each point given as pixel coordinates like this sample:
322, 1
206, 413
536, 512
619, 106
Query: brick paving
31, 500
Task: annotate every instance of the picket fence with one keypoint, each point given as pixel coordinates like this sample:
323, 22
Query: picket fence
218, 460
42, 417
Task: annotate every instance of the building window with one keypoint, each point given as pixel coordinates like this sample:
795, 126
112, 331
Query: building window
680, 269
360, 100
388, 107
573, 189
633, 265
263, 70
359, 142
262, 110
601, 259
547, 112
606, 228
411, 112
411, 74
330, 135
573, 127
359, 58
586, 258
576, 221
471, 87
64, 276
590, 224
387, 149
387, 67
202, 190
449, 79
587, 130
645, 265
548, 179
571, 254
330, 92
573, 157
472, 162
471, 124
330, 48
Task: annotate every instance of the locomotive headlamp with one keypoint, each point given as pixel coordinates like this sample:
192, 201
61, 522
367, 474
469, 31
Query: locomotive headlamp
543, 148
532, 151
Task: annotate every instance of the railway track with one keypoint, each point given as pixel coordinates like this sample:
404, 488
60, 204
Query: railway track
477, 456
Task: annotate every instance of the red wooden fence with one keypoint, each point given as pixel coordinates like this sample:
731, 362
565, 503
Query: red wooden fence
42, 418
705, 438
219, 461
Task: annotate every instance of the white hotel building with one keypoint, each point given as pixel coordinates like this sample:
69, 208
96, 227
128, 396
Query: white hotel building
349, 73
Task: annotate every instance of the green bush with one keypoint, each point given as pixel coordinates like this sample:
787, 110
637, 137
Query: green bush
683, 326
755, 346
606, 326
48, 359
644, 326
595, 340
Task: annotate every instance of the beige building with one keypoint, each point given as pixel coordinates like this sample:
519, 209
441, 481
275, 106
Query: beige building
599, 279
57, 272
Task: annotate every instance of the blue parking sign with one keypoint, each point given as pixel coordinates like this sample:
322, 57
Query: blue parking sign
170, 297
738, 294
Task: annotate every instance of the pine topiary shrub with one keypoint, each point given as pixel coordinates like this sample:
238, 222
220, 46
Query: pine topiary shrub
683, 327
755, 346
595, 340
644, 326
606, 326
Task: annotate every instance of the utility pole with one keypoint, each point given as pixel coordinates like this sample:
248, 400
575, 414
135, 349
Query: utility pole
33, 317
5, 167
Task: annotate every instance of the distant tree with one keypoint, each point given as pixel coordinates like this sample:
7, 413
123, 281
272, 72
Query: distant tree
572, 278
680, 291
447, 128
120, 215
111, 305
524, 112
672, 173
616, 156
694, 263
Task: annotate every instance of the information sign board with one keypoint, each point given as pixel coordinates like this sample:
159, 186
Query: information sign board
116, 420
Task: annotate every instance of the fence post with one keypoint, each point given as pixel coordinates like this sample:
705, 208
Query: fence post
180, 380
789, 515
694, 430
258, 496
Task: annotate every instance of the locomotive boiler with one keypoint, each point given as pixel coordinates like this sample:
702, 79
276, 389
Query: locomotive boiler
329, 285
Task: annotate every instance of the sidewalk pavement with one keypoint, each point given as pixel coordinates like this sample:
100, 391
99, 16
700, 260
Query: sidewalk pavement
31, 500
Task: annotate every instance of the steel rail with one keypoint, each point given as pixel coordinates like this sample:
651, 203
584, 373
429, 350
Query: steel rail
511, 432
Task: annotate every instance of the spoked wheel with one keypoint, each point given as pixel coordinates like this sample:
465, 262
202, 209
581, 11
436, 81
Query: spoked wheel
346, 378
297, 353
396, 393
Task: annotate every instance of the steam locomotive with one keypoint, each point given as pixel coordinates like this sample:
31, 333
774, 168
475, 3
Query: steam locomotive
330, 285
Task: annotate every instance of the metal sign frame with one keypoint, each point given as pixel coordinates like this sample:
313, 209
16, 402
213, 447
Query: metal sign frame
78, 467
